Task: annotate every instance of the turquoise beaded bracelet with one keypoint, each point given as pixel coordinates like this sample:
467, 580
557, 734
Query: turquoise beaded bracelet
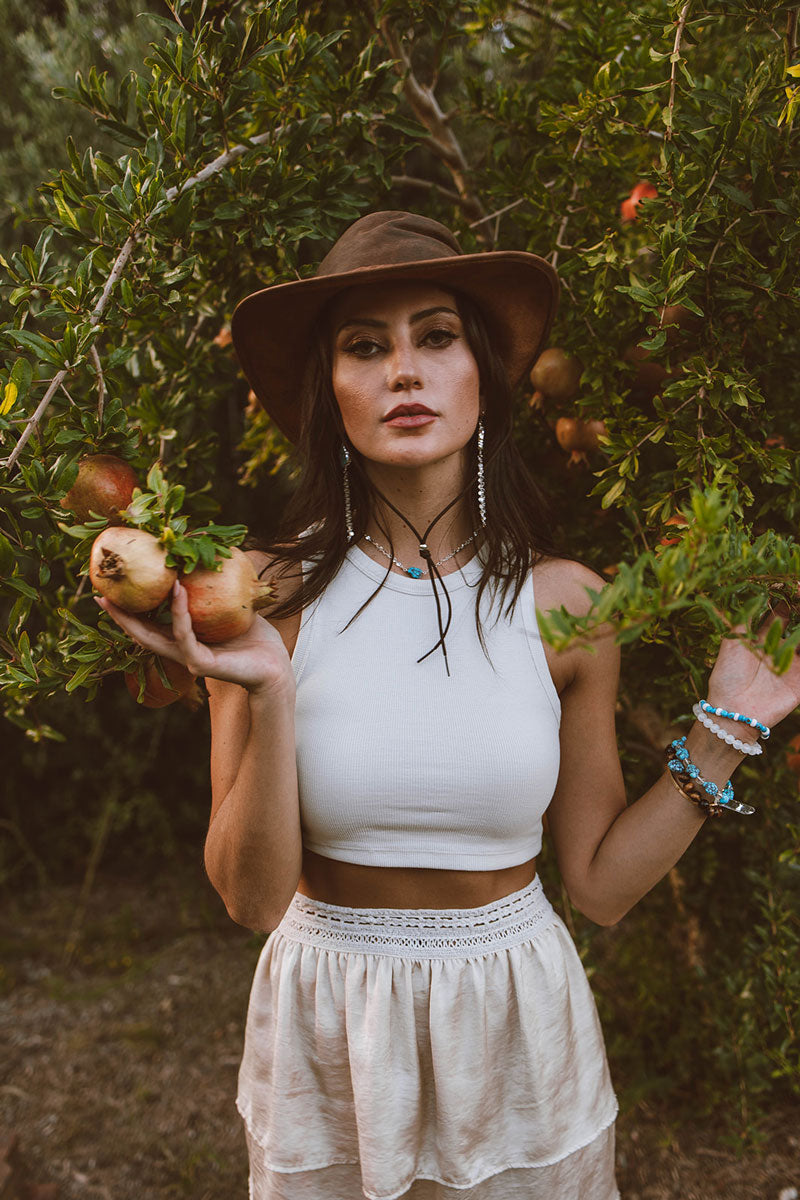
688, 780
732, 716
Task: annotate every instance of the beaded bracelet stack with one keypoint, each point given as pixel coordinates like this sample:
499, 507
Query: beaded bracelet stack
723, 734
686, 776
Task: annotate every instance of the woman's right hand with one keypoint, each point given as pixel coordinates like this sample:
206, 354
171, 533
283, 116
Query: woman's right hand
256, 660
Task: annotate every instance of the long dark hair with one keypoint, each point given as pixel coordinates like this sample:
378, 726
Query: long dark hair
517, 533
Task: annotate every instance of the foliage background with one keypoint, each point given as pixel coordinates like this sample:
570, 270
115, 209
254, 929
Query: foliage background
522, 126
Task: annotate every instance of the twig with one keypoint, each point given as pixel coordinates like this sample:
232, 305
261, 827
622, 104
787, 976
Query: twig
673, 75
101, 383
565, 219
427, 185
60, 376
429, 113
543, 14
701, 395
195, 330
499, 213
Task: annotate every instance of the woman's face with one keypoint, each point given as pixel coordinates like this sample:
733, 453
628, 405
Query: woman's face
404, 376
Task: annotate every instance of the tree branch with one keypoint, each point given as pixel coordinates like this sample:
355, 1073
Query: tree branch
426, 185
565, 219
101, 384
213, 168
97, 312
673, 75
427, 110
542, 14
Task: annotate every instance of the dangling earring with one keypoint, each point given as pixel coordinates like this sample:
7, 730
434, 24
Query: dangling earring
481, 480
348, 512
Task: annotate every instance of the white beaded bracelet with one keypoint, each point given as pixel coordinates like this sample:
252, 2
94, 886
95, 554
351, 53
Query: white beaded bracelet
723, 735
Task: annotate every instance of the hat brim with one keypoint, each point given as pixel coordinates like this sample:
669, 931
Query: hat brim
272, 328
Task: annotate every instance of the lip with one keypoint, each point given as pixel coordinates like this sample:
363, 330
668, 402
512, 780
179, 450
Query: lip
409, 416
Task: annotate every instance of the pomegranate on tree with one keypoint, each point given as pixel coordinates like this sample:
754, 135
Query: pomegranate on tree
649, 374
671, 315
182, 685
579, 437
555, 376
222, 603
127, 566
642, 191
104, 486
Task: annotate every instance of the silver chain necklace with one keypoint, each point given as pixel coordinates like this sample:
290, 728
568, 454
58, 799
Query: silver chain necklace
417, 572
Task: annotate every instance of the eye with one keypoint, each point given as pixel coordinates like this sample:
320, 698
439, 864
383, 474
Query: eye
363, 347
440, 337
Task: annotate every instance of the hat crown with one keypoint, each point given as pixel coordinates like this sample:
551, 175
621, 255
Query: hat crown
388, 239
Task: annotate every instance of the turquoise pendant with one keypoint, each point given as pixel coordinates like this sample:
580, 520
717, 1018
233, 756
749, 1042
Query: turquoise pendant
414, 572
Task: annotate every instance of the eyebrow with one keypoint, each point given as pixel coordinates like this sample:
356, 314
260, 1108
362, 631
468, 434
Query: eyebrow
417, 316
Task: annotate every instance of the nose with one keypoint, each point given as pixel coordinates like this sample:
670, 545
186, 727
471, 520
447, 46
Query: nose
403, 371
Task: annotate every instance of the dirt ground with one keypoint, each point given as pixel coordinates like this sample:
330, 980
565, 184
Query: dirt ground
120, 1053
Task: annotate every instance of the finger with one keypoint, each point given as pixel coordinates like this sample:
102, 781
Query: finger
196, 655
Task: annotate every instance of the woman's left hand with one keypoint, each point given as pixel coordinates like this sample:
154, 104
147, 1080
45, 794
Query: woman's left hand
743, 681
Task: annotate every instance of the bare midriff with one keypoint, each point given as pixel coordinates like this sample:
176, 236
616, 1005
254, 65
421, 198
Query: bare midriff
357, 886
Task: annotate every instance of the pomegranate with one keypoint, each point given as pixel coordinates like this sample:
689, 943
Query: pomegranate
127, 566
104, 486
680, 521
183, 685
579, 437
642, 191
649, 374
555, 376
677, 314
222, 603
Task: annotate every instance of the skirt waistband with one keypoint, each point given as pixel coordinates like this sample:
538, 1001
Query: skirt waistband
420, 932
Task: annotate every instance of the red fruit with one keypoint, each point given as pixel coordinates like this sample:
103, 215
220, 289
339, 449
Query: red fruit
579, 437
676, 519
555, 375
677, 314
642, 191
649, 374
222, 603
127, 566
156, 694
104, 487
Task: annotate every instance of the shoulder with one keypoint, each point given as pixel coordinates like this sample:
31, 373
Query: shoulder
563, 582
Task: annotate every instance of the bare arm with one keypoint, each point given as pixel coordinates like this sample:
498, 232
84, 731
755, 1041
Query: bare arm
610, 854
253, 848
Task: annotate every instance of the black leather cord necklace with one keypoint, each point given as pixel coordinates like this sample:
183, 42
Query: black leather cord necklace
433, 572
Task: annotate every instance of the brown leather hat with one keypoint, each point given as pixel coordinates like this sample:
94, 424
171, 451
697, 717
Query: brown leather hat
272, 328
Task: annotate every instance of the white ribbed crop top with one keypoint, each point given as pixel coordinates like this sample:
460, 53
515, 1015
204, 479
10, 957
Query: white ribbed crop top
401, 765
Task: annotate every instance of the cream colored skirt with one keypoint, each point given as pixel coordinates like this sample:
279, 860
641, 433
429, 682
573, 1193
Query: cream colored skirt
429, 1054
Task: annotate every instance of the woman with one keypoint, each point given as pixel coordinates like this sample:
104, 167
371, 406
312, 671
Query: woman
384, 749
